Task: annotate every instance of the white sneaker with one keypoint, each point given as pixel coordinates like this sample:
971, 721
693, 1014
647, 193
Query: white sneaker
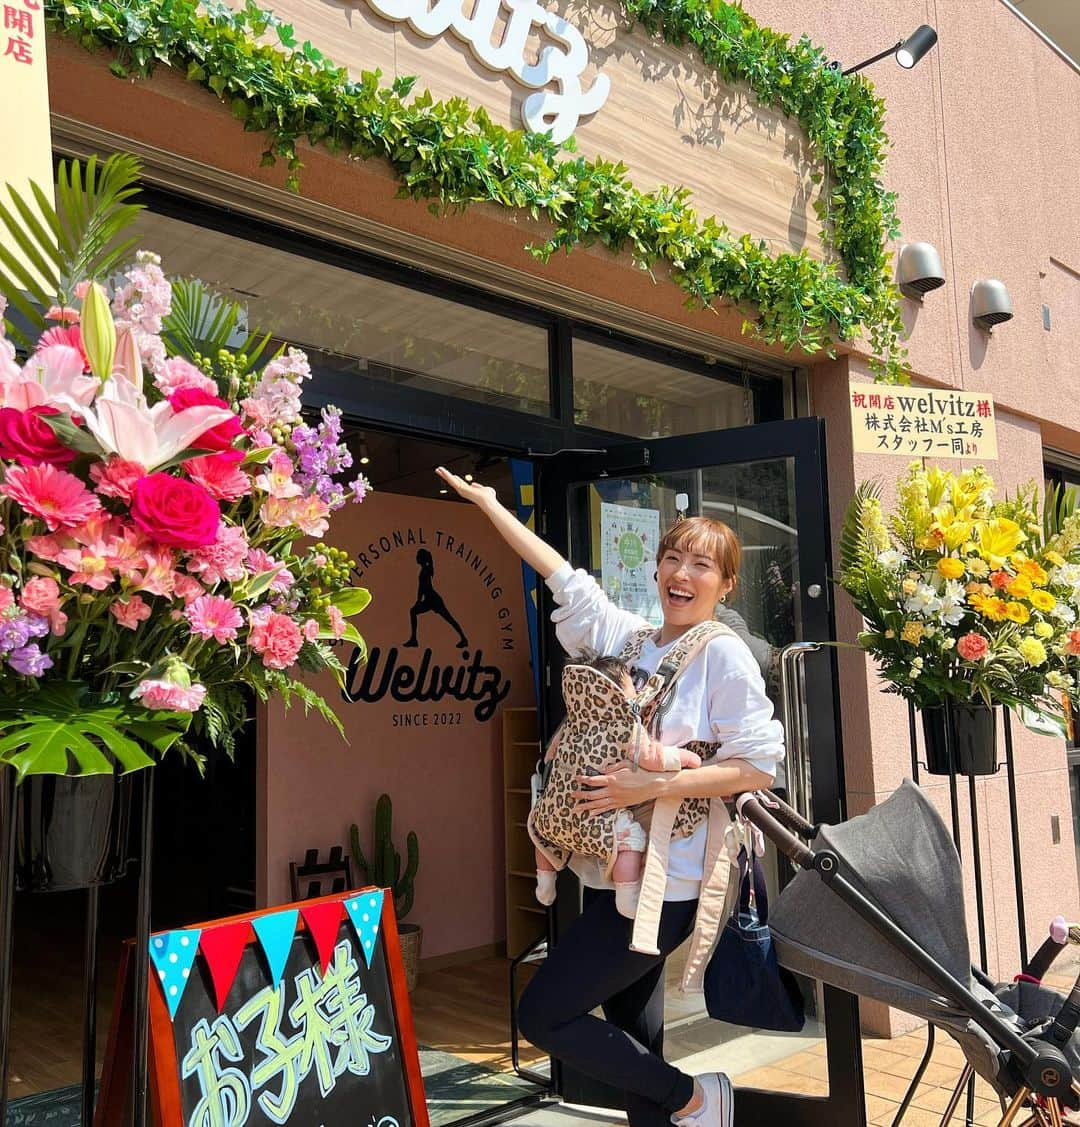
718, 1108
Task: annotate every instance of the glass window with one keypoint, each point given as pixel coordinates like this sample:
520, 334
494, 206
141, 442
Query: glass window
618, 391
386, 330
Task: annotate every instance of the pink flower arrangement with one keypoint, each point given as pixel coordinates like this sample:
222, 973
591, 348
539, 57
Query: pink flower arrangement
165, 517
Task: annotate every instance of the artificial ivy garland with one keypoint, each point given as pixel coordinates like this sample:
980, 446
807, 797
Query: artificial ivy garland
452, 154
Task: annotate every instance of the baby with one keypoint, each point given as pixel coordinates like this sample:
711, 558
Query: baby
589, 757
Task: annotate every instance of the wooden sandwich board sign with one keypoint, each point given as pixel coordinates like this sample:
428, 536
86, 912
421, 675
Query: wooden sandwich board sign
314, 1028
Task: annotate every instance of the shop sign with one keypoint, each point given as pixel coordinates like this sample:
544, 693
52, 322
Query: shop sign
436, 671
560, 65
25, 138
922, 422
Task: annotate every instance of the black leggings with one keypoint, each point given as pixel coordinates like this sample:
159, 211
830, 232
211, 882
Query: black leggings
591, 966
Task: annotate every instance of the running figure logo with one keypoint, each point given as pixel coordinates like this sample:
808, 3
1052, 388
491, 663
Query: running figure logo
428, 600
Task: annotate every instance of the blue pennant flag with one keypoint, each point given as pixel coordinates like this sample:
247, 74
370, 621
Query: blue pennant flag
173, 955
365, 911
276, 933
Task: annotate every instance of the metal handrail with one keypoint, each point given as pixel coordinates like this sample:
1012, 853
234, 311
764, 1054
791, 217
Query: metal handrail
796, 725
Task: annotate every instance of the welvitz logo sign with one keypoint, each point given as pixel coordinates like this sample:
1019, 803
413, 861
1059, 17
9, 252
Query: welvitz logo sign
450, 594
559, 101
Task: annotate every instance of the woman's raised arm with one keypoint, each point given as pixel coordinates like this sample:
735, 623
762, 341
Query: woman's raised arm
524, 541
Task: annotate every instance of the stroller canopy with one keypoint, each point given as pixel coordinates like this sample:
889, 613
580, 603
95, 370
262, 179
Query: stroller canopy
899, 855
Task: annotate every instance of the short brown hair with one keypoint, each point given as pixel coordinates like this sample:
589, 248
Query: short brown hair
706, 537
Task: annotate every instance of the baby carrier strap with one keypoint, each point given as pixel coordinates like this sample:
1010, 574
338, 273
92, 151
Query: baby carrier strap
665, 811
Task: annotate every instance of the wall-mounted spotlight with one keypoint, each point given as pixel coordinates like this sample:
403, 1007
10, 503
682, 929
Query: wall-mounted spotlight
919, 269
362, 451
908, 51
990, 303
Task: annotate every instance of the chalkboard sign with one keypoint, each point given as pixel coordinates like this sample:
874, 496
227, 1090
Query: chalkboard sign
333, 1048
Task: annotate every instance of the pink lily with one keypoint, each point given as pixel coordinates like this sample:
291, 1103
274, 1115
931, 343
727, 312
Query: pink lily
52, 377
123, 424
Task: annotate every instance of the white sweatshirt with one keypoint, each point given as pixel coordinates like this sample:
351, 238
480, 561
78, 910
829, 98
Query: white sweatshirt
720, 697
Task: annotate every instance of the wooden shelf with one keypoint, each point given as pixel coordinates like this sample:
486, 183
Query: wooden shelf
525, 918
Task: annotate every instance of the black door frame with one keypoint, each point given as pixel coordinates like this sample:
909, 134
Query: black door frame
803, 440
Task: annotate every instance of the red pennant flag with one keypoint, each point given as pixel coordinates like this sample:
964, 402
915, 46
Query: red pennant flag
223, 948
323, 921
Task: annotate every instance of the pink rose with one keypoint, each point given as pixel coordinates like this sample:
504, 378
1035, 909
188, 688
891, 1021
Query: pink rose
169, 696
216, 438
176, 512
972, 647
116, 478
177, 374
131, 613
220, 474
277, 640
24, 438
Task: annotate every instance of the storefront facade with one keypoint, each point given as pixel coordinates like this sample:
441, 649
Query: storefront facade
597, 376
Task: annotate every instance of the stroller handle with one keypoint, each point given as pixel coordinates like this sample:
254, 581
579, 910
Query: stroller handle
759, 810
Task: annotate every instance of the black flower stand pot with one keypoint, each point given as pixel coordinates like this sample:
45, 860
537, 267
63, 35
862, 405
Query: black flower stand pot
969, 729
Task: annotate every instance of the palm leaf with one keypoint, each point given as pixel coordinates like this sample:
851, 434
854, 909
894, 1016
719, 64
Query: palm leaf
854, 547
62, 730
47, 250
203, 322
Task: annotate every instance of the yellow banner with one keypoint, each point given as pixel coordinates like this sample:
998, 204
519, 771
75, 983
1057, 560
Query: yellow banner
922, 422
25, 137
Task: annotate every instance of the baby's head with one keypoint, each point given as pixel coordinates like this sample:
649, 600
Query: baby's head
614, 669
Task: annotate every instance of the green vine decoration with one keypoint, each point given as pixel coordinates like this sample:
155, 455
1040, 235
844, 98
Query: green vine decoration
451, 154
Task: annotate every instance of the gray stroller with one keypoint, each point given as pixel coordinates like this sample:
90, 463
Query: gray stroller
878, 910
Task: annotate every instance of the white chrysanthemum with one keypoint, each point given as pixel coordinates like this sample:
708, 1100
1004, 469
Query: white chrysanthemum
891, 559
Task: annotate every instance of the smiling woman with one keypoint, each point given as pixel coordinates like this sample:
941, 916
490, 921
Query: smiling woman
720, 700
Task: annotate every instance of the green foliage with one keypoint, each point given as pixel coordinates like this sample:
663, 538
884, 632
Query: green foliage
202, 322
79, 238
63, 722
856, 547
384, 870
452, 154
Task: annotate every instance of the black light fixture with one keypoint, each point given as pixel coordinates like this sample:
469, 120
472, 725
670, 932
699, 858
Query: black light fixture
908, 51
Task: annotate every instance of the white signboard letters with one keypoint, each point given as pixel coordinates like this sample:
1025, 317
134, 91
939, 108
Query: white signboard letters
559, 101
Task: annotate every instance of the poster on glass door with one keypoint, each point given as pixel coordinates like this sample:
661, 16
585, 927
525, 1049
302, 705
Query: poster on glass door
629, 538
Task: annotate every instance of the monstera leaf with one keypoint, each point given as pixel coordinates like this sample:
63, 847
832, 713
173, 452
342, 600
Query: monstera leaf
66, 730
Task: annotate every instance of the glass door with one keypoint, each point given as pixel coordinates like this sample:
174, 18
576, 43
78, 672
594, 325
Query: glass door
606, 510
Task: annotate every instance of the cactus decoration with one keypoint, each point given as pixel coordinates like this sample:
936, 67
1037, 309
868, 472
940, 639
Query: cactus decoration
385, 867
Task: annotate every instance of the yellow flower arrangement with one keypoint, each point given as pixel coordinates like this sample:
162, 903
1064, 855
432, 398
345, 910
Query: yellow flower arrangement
967, 595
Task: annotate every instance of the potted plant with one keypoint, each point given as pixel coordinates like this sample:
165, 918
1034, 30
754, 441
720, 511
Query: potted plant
162, 504
969, 602
384, 870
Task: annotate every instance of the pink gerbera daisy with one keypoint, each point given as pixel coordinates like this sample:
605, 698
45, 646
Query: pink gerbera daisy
58, 497
214, 616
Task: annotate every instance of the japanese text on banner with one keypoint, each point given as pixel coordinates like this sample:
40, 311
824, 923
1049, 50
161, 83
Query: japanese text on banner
922, 422
25, 138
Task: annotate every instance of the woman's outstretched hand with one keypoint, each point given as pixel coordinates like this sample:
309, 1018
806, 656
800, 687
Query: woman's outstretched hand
483, 496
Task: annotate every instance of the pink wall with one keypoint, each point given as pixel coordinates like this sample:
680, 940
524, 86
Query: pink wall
440, 762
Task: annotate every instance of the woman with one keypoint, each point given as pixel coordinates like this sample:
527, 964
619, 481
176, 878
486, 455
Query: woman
719, 698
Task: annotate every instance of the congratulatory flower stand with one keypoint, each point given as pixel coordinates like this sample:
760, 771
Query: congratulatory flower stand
162, 509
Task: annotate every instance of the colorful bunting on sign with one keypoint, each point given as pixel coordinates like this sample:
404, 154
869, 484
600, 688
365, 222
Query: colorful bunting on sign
173, 954
275, 933
365, 911
223, 948
322, 921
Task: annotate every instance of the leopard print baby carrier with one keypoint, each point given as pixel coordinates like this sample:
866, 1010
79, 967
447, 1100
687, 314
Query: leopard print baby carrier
601, 723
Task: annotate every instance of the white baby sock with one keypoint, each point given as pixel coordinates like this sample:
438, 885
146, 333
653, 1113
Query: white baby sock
545, 886
626, 897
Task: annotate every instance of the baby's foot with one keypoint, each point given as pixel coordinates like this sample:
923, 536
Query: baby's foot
545, 886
